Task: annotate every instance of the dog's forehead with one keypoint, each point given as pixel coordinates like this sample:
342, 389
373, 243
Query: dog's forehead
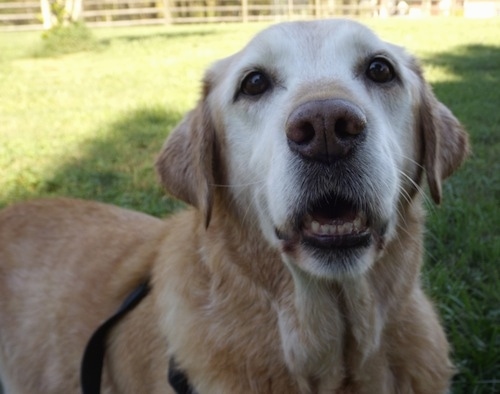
312, 42
314, 34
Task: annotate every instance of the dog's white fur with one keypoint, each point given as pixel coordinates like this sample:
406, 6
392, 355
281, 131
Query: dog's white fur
238, 299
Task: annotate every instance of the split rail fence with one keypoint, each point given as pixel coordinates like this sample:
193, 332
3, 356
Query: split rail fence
26, 14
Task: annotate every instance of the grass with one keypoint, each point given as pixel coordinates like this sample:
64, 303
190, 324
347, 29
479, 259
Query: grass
89, 125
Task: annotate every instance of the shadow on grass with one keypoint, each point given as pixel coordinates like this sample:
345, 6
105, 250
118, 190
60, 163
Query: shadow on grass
118, 168
474, 96
476, 91
463, 238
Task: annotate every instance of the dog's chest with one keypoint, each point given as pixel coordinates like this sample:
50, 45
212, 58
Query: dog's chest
239, 348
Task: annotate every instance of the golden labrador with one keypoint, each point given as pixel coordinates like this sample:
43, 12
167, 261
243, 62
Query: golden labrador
297, 268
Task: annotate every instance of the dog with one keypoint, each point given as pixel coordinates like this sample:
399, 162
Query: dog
296, 267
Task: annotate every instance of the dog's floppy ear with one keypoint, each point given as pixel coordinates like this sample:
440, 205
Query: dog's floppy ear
186, 161
445, 142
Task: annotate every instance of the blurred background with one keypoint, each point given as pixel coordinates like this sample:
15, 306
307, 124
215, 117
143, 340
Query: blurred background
25, 14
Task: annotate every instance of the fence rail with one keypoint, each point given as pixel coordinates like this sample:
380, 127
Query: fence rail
26, 14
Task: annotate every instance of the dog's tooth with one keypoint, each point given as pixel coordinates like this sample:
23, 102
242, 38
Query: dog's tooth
324, 229
336, 228
357, 224
345, 228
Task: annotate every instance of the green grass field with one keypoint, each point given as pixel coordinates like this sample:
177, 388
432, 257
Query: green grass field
90, 124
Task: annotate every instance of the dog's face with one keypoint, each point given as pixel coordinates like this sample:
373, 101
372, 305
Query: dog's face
320, 132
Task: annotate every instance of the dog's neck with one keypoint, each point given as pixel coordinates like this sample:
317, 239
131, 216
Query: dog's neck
329, 329
312, 329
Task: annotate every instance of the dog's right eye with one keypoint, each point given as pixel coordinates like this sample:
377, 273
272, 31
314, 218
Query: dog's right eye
255, 83
380, 70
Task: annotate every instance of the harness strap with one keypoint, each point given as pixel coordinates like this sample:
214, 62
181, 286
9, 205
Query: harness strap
93, 357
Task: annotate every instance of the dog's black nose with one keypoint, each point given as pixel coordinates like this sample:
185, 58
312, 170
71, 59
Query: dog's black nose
325, 130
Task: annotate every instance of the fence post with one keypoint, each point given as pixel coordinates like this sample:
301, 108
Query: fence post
427, 6
46, 14
73, 10
167, 17
244, 11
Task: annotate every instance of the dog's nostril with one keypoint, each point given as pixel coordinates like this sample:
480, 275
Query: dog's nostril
342, 128
349, 127
301, 132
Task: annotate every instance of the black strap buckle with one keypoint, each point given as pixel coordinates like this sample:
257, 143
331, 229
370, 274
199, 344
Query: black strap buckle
178, 380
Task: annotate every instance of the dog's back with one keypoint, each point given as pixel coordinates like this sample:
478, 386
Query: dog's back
47, 308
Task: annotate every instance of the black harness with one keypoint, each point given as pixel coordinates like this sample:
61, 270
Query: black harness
93, 356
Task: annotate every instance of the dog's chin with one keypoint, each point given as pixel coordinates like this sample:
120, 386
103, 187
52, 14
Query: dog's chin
330, 258
332, 240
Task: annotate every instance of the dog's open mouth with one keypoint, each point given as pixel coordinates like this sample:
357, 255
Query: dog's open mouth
334, 222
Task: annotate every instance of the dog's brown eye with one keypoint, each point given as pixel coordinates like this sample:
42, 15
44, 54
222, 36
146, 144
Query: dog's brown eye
255, 83
380, 70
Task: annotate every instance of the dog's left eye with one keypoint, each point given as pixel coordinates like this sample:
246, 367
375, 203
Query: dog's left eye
380, 70
255, 83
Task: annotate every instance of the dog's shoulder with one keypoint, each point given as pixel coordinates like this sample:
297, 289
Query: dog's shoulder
100, 244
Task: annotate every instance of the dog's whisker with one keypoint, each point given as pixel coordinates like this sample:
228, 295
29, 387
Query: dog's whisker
238, 185
417, 187
409, 159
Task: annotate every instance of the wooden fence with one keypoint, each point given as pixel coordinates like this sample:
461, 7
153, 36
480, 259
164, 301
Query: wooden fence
26, 14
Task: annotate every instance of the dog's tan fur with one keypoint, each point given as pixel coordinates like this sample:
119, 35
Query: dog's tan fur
239, 314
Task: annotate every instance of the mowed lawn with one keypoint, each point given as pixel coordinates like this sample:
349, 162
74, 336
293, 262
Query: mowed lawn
90, 124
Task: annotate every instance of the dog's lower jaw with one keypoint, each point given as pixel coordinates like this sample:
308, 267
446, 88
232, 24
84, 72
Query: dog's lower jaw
335, 264
331, 257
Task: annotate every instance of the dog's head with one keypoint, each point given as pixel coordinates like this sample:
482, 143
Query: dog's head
319, 131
